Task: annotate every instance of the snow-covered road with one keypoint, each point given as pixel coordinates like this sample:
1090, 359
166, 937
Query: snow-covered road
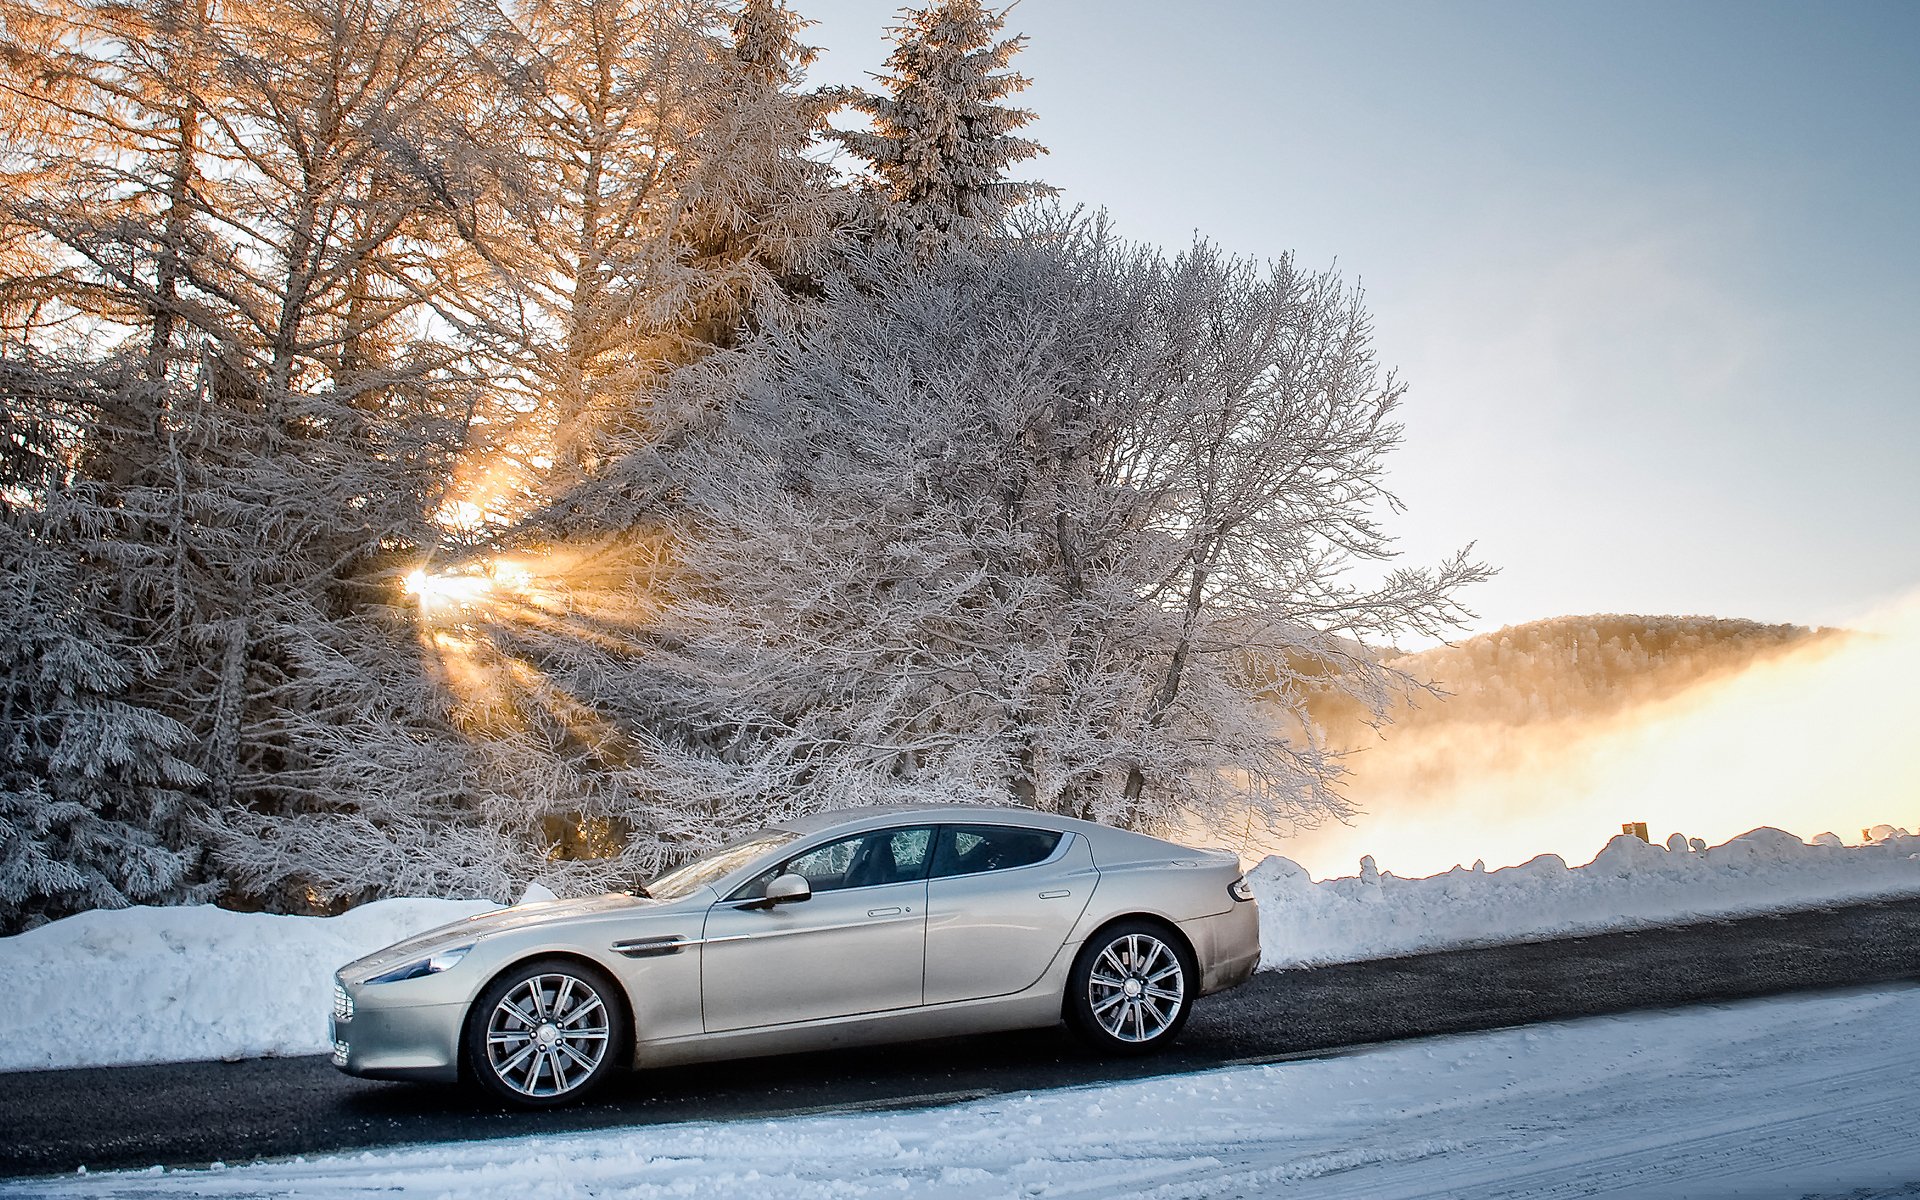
1808, 1096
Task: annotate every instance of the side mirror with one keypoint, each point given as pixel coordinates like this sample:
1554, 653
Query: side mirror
788, 889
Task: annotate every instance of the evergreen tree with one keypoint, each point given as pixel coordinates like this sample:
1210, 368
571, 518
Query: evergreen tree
942, 141
93, 788
761, 214
260, 408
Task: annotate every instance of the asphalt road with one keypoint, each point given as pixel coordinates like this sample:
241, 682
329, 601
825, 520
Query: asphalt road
196, 1113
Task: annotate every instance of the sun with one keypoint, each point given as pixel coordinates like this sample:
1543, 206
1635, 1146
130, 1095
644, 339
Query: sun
456, 589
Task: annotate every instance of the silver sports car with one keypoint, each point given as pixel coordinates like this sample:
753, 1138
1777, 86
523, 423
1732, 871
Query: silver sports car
849, 928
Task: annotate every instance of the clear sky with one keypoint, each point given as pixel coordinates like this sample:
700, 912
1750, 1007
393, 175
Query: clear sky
1652, 269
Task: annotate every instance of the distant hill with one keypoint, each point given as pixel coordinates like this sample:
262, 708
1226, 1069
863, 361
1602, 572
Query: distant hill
1567, 669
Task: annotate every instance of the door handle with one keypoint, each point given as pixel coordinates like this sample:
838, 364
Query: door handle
883, 912
1059, 895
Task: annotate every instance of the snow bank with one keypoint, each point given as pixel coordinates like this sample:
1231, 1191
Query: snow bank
1628, 884
136, 985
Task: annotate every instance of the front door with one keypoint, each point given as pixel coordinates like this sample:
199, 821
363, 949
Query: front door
857, 945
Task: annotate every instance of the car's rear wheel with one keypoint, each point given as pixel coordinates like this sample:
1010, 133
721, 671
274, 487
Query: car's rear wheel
546, 1033
1131, 988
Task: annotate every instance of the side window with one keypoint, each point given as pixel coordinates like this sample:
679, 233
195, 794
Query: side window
826, 868
864, 860
971, 849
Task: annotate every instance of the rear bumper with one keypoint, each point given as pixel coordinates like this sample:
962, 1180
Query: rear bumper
418, 1042
1227, 944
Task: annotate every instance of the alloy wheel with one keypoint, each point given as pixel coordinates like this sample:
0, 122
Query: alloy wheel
1136, 988
548, 1035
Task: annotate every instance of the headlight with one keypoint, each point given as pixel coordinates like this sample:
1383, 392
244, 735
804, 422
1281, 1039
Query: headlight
433, 964
342, 1002
1240, 889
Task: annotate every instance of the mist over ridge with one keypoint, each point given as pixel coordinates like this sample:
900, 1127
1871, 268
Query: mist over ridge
1549, 735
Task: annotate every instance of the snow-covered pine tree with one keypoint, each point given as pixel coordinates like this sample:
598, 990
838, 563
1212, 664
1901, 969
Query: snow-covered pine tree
759, 213
271, 403
941, 141
93, 786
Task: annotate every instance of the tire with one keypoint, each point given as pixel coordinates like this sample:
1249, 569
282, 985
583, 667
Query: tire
1131, 988
546, 1033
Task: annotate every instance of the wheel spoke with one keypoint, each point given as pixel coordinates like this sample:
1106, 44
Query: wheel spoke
1154, 951
518, 1057
590, 1005
585, 1063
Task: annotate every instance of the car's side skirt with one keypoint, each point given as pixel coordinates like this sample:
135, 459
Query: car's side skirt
1035, 1008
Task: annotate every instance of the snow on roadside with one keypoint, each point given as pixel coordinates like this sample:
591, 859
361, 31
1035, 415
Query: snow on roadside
1790, 1097
134, 985
1629, 884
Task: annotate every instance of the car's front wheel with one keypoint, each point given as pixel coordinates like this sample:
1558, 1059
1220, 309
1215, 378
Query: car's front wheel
1132, 987
545, 1033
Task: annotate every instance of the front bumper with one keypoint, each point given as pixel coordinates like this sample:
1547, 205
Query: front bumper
383, 1041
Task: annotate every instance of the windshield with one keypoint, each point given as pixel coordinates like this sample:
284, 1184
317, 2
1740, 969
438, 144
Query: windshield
701, 871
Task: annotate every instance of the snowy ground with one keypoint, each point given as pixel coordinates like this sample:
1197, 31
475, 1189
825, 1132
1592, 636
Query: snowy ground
1779, 1098
175, 984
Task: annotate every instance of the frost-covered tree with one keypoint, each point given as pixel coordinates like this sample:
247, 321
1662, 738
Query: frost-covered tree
1062, 522
654, 190
760, 214
93, 786
941, 141
261, 405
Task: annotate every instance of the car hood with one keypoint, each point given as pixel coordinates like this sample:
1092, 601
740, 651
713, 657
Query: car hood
500, 920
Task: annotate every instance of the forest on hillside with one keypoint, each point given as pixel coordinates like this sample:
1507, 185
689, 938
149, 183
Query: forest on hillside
447, 444
1563, 669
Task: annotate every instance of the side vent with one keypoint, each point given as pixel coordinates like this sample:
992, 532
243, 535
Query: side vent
652, 947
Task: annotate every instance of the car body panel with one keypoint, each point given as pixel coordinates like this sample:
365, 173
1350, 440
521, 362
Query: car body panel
704, 979
838, 954
995, 933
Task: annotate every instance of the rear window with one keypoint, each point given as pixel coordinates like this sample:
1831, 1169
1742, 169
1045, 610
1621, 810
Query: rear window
973, 849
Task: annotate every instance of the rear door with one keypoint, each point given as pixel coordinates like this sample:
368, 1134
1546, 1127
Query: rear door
855, 946
1000, 902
